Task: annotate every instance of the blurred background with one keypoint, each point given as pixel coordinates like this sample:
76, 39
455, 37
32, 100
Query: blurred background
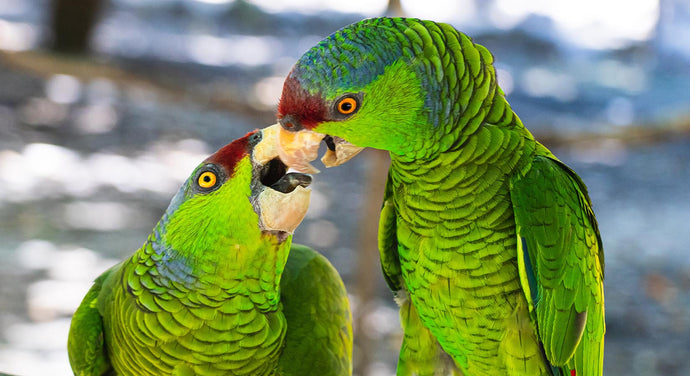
107, 105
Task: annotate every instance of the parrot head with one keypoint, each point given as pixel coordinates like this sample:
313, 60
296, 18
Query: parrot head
386, 83
239, 197
354, 89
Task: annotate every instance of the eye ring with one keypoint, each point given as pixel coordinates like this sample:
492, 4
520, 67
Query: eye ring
207, 179
347, 105
255, 137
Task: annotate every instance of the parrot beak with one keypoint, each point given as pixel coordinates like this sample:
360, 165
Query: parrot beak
284, 197
339, 151
267, 148
297, 149
283, 211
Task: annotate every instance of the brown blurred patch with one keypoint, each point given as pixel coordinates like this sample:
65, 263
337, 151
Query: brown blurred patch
659, 288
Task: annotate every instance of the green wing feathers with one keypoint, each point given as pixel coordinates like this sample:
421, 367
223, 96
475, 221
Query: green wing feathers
316, 307
86, 342
561, 257
388, 241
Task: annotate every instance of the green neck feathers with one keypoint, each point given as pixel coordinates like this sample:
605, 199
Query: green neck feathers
211, 241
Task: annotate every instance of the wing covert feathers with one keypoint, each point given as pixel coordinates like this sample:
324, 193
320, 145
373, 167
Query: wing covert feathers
558, 237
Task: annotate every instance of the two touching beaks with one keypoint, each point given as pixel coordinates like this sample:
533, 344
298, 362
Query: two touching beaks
282, 211
297, 149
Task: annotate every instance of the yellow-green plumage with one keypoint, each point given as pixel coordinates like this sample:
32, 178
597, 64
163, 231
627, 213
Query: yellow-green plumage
489, 240
199, 328
213, 292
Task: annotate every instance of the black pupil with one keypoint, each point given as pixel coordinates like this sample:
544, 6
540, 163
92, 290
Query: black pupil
346, 106
207, 178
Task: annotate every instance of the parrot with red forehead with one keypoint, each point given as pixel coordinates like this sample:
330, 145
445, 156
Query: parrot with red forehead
218, 288
487, 239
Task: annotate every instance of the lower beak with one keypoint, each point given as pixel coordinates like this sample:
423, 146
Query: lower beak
283, 211
344, 151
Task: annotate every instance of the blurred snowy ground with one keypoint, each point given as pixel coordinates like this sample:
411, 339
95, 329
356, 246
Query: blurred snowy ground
89, 162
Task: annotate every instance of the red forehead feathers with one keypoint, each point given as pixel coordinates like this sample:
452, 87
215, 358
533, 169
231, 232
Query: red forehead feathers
308, 109
230, 154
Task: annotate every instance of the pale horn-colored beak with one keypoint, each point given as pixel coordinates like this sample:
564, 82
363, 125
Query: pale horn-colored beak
283, 211
297, 149
267, 149
344, 151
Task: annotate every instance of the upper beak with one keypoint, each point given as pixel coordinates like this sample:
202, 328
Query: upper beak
297, 149
267, 148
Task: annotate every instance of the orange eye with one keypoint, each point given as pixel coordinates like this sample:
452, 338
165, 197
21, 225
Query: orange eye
207, 179
347, 105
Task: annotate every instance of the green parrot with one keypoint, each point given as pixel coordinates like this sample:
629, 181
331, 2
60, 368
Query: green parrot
217, 288
488, 240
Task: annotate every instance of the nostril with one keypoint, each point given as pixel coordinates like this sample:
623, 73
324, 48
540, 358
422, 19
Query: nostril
290, 123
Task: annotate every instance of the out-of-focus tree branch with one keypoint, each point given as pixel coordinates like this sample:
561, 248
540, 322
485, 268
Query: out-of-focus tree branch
85, 68
368, 264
